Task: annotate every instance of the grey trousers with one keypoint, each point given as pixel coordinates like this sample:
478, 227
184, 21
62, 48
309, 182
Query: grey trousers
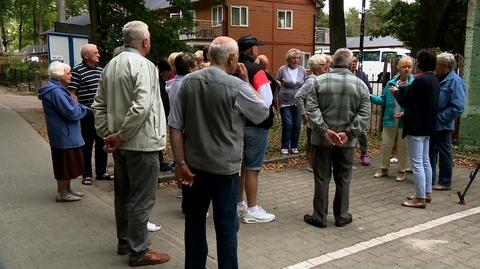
136, 175
340, 161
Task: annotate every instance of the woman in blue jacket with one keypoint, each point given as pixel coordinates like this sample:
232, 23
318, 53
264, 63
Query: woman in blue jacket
392, 121
63, 114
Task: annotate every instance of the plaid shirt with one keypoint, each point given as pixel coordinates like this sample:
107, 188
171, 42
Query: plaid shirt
340, 102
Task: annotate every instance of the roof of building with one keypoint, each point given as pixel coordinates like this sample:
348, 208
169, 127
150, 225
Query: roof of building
34, 49
374, 42
159, 4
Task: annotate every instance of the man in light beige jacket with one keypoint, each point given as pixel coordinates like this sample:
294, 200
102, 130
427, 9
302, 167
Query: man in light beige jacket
129, 115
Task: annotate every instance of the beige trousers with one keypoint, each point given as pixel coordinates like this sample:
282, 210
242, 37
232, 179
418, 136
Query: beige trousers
390, 135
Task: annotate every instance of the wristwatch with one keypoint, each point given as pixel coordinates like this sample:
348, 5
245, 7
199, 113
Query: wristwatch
180, 163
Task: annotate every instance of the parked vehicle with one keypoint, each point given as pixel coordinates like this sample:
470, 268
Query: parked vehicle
374, 60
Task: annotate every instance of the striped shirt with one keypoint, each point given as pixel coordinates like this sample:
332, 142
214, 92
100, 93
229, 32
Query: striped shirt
85, 82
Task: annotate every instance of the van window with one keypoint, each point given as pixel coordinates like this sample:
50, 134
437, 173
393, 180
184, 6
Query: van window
390, 55
371, 56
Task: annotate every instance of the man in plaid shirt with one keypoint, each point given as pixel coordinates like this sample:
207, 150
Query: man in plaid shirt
339, 109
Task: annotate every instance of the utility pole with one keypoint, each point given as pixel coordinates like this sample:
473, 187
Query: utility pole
362, 34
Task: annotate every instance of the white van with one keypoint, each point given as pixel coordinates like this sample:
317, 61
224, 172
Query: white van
373, 59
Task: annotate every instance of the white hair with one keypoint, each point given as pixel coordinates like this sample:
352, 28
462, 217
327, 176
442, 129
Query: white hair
447, 59
342, 58
134, 33
57, 70
316, 60
221, 48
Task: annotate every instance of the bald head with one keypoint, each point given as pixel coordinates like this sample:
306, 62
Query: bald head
90, 54
263, 61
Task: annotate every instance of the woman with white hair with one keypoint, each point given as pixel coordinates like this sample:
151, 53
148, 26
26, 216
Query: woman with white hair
292, 75
318, 66
63, 114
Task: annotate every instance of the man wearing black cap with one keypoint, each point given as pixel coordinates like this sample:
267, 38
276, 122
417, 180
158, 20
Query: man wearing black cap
256, 135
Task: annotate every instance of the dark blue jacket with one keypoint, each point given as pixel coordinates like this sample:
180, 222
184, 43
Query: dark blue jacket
420, 101
63, 116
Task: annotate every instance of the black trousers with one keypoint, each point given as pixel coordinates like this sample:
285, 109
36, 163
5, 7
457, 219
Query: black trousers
90, 136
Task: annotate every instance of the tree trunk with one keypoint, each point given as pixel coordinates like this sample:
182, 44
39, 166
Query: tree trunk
61, 11
20, 32
35, 22
94, 20
4, 39
337, 25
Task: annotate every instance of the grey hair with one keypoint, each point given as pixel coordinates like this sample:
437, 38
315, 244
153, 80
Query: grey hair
86, 49
57, 69
221, 48
316, 60
342, 58
293, 53
447, 59
134, 33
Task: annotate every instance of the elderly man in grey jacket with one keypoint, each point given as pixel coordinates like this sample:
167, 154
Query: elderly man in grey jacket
129, 115
339, 109
207, 125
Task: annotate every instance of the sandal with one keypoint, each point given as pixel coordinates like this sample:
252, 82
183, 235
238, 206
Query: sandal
400, 177
381, 173
87, 181
106, 176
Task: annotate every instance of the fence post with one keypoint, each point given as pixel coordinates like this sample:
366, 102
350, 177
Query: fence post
38, 80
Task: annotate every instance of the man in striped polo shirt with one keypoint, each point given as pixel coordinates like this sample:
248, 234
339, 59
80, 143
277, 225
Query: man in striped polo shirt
84, 85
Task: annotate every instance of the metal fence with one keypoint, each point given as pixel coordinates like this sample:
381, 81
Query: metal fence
25, 80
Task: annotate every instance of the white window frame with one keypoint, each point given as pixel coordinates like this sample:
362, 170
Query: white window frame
240, 14
217, 23
176, 14
304, 61
285, 11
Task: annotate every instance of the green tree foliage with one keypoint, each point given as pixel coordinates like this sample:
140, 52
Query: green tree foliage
352, 22
164, 31
426, 23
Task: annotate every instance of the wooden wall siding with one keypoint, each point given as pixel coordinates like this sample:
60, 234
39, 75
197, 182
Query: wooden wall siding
262, 22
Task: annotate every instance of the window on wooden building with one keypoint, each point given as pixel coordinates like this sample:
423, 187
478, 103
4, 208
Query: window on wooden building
239, 16
285, 19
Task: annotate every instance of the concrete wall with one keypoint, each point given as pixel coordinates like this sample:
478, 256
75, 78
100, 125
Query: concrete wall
470, 122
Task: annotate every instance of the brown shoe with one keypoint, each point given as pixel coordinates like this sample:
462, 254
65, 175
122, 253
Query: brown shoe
416, 202
428, 199
439, 187
125, 251
151, 258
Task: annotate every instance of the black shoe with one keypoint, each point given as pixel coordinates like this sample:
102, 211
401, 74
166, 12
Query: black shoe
309, 220
165, 167
343, 223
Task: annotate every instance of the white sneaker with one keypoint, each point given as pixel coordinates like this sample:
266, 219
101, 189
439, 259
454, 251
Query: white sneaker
257, 216
393, 160
179, 193
241, 208
152, 227
284, 151
295, 151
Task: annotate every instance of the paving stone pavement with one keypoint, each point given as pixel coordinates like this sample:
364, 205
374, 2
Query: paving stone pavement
36, 232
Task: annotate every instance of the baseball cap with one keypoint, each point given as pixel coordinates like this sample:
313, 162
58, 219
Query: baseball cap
248, 41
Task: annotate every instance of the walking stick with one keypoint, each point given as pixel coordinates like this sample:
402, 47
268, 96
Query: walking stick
472, 177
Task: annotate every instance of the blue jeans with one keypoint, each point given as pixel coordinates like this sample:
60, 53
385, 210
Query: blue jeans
420, 161
290, 126
222, 191
441, 145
